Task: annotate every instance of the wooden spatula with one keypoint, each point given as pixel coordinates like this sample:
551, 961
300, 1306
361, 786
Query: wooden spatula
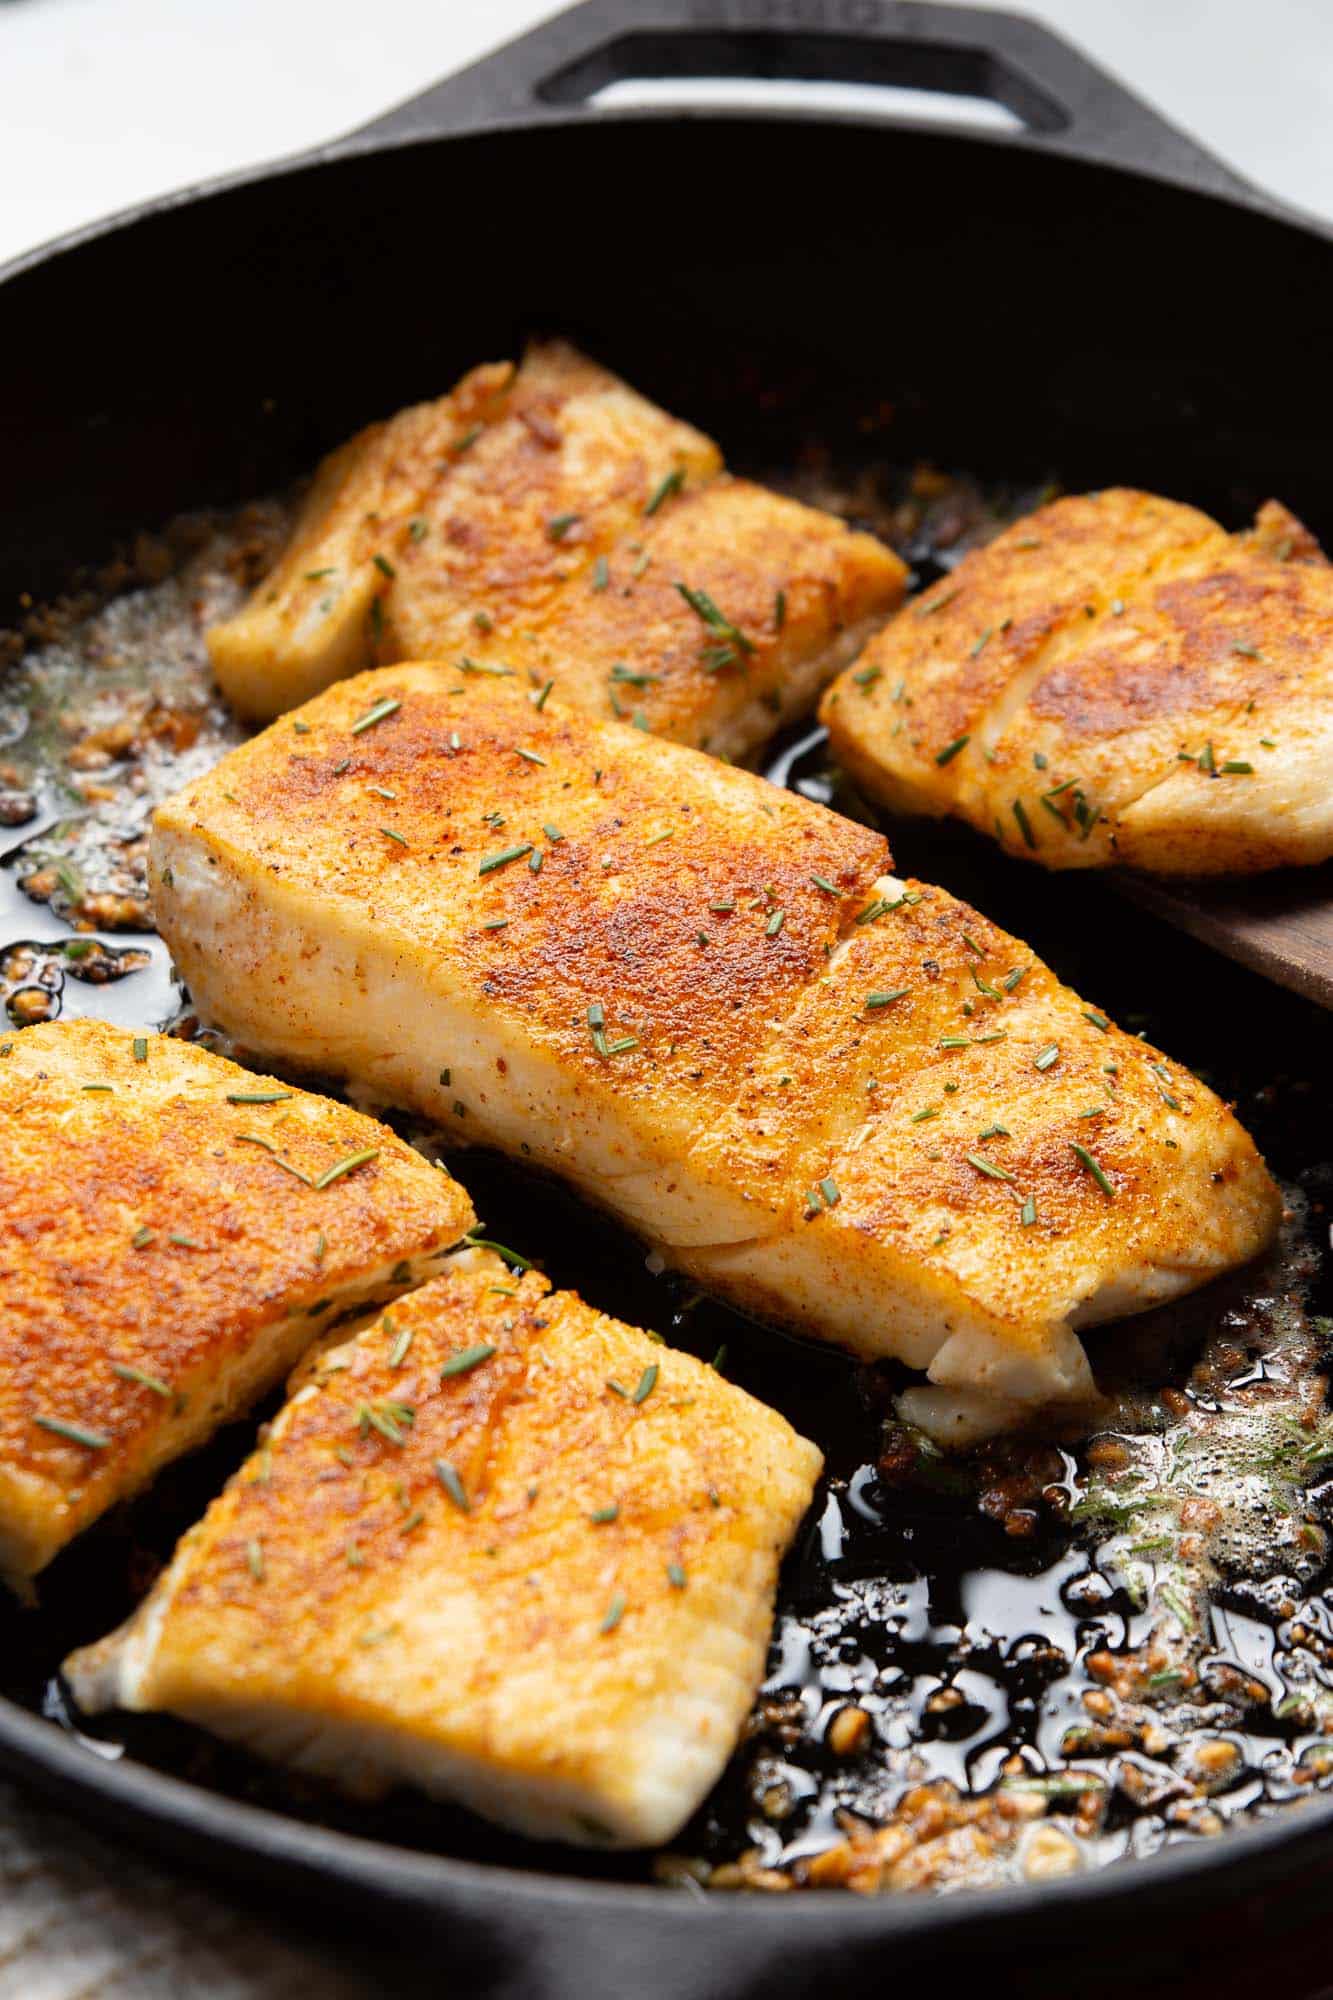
1279, 924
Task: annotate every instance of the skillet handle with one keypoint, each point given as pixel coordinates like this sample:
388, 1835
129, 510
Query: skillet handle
1064, 103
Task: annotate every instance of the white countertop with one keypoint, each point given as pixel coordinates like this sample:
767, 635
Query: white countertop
108, 101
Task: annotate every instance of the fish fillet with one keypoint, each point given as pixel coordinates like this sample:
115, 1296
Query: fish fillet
497, 1546
547, 523
167, 1251
1114, 678
846, 1103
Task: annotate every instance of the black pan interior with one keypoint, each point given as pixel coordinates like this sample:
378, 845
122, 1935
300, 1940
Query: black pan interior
772, 277
893, 295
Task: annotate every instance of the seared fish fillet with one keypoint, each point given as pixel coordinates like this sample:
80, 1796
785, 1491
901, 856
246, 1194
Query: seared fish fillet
1114, 678
549, 524
498, 1546
704, 1002
167, 1250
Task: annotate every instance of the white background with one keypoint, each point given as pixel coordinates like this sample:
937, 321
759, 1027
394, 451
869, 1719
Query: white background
107, 101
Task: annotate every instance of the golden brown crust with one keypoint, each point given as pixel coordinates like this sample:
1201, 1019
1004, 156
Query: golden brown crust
1071, 667
949, 1122
623, 640
576, 1509
648, 862
542, 519
143, 1230
675, 1011
521, 516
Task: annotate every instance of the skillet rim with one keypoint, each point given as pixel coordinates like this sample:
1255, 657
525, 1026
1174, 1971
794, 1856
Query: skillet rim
156, 1804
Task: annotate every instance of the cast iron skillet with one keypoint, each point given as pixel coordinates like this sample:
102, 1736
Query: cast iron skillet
1095, 294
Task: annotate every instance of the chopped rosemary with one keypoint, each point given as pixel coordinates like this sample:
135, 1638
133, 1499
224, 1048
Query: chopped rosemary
1045, 1057
775, 923
615, 1611
602, 1515
1027, 1214
390, 834
601, 573
647, 1383
384, 566
877, 1000
988, 1167
466, 1360
379, 712
779, 610
258, 1096
453, 1485
1024, 823
676, 1576
559, 526
664, 489
1099, 1021
341, 1167
1094, 1167
822, 882
951, 750
75, 1433
502, 860
403, 1341
141, 1048
511, 1257
391, 1420
703, 607
831, 1192
142, 1379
